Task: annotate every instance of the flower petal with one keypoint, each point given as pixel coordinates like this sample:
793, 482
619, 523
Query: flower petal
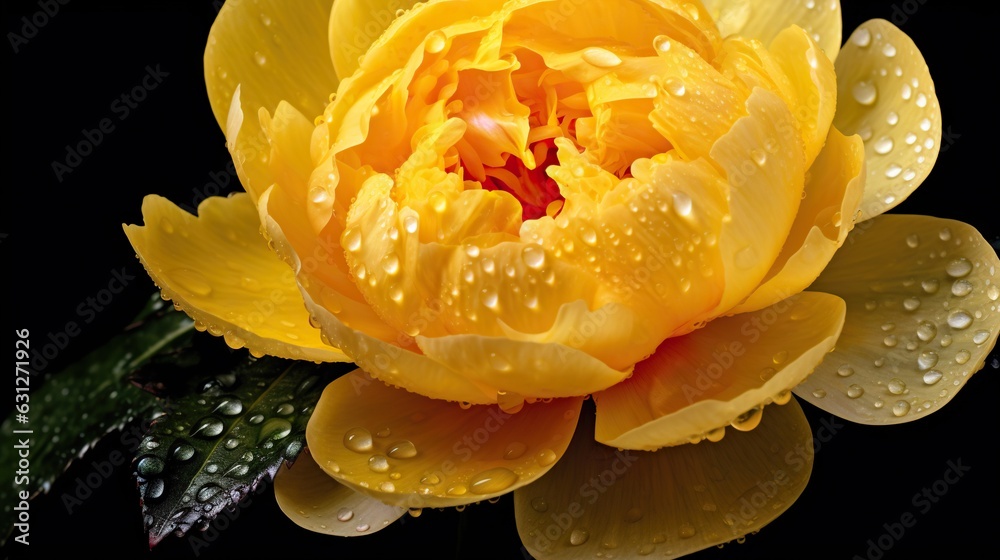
667, 503
410, 451
922, 315
259, 53
346, 323
219, 270
885, 94
834, 186
764, 20
529, 369
724, 373
355, 25
314, 500
272, 53
764, 167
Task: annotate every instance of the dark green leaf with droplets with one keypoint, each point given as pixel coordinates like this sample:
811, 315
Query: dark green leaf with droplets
73, 409
218, 442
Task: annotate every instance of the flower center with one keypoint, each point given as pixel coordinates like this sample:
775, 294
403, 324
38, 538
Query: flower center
533, 188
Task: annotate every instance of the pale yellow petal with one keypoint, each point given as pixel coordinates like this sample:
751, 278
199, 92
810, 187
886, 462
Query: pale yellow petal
355, 25
410, 451
669, 503
724, 373
314, 500
886, 95
763, 20
834, 186
922, 316
219, 270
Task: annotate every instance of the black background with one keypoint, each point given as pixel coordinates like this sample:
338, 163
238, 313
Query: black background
62, 240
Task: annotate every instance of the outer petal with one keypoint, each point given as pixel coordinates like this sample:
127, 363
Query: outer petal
355, 25
259, 53
669, 503
922, 315
724, 373
763, 20
885, 94
219, 270
315, 501
412, 451
833, 191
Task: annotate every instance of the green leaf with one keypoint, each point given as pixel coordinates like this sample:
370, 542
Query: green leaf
74, 408
227, 435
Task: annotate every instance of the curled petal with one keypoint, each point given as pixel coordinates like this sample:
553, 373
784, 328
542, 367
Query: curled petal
219, 270
720, 375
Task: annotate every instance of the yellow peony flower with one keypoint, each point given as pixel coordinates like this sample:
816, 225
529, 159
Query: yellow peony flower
514, 205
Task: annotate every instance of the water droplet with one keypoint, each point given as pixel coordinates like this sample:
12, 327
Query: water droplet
539, 504
675, 87
534, 257
352, 239
890, 341
896, 386
358, 440
748, 420
191, 281
510, 402
661, 43
207, 492
410, 223
864, 93
260, 58
854, 391
819, 393
154, 488
318, 195
514, 450
926, 331
961, 288
883, 145
457, 490
274, 429
962, 356
238, 469
845, 370
900, 408
387, 487
993, 292
390, 264
862, 37
207, 427
345, 515
889, 50
229, 406
578, 537
256, 419
182, 452
930, 286
980, 337
435, 42
682, 204
601, 58
959, 319
932, 377
546, 457
285, 409
402, 450
492, 481
780, 357
362, 528
927, 360
430, 480
958, 268
911, 304
686, 531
